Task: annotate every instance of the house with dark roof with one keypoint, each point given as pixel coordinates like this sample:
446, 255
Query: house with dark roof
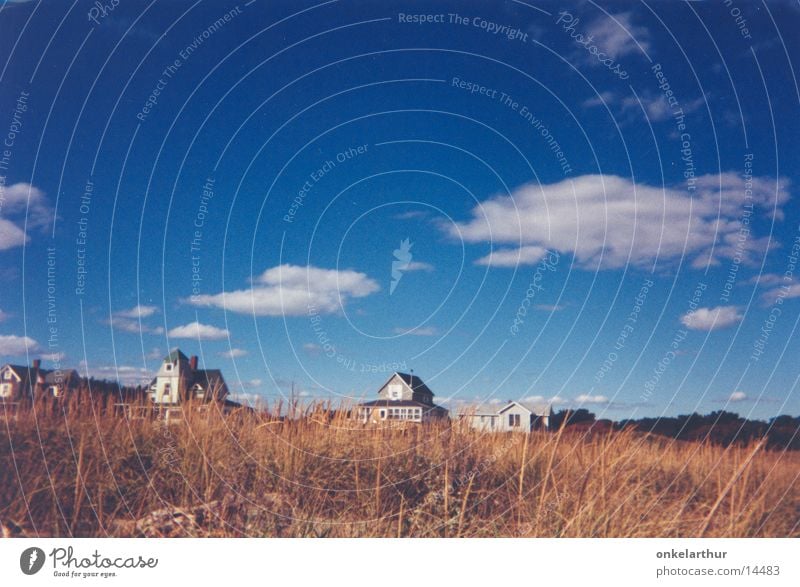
58, 382
403, 398
179, 380
19, 382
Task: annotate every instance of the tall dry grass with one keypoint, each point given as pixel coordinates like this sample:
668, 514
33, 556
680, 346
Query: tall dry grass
74, 469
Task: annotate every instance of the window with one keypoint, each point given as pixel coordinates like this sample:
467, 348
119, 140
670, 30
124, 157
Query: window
165, 394
7, 374
169, 366
5, 390
395, 391
513, 420
383, 414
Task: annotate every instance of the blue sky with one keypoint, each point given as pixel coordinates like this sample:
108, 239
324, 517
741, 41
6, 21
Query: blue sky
599, 201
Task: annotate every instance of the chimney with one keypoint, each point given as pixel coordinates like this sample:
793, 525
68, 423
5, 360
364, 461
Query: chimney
193, 362
36, 363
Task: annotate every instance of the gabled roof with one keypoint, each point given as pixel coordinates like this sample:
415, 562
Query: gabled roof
28, 374
20, 370
478, 410
54, 377
175, 355
537, 409
207, 377
414, 382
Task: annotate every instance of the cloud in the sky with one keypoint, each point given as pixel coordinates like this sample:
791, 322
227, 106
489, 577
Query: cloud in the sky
3, 316
420, 331
17, 346
198, 331
654, 106
233, 353
312, 348
614, 220
137, 312
591, 399
527, 255
124, 374
617, 35
130, 320
786, 292
765, 279
418, 266
738, 396
540, 399
134, 326
711, 318
19, 199
291, 290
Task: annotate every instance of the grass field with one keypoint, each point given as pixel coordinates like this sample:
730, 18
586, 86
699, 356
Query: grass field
79, 471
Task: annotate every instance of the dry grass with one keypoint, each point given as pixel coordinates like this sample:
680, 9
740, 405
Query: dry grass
81, 472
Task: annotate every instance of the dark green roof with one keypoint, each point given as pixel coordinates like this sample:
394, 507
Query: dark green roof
175, 355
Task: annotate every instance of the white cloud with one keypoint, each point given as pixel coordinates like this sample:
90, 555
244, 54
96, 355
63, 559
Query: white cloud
418, 266
711, 318
137, 312
130, 320
411, 215
606, 217
21, 201
233, 353
618, 35
198, 331
786, 293
291, 290
155, 353
654, 106
11, 235
134, 326
738, 396
765, 279
540, 399
603, 98
591, 399
549, 307
3, 316
312, 348
527, 255
124, 374
421, 331
251, 383
17, 346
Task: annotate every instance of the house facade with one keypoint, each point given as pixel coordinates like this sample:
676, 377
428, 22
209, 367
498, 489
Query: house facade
19, 382
403, 398
59, 383
512, 417
178, 380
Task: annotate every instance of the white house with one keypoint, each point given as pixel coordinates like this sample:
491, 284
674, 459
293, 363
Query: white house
402, 398
20, 381
24, 382
179, 380
514, 416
